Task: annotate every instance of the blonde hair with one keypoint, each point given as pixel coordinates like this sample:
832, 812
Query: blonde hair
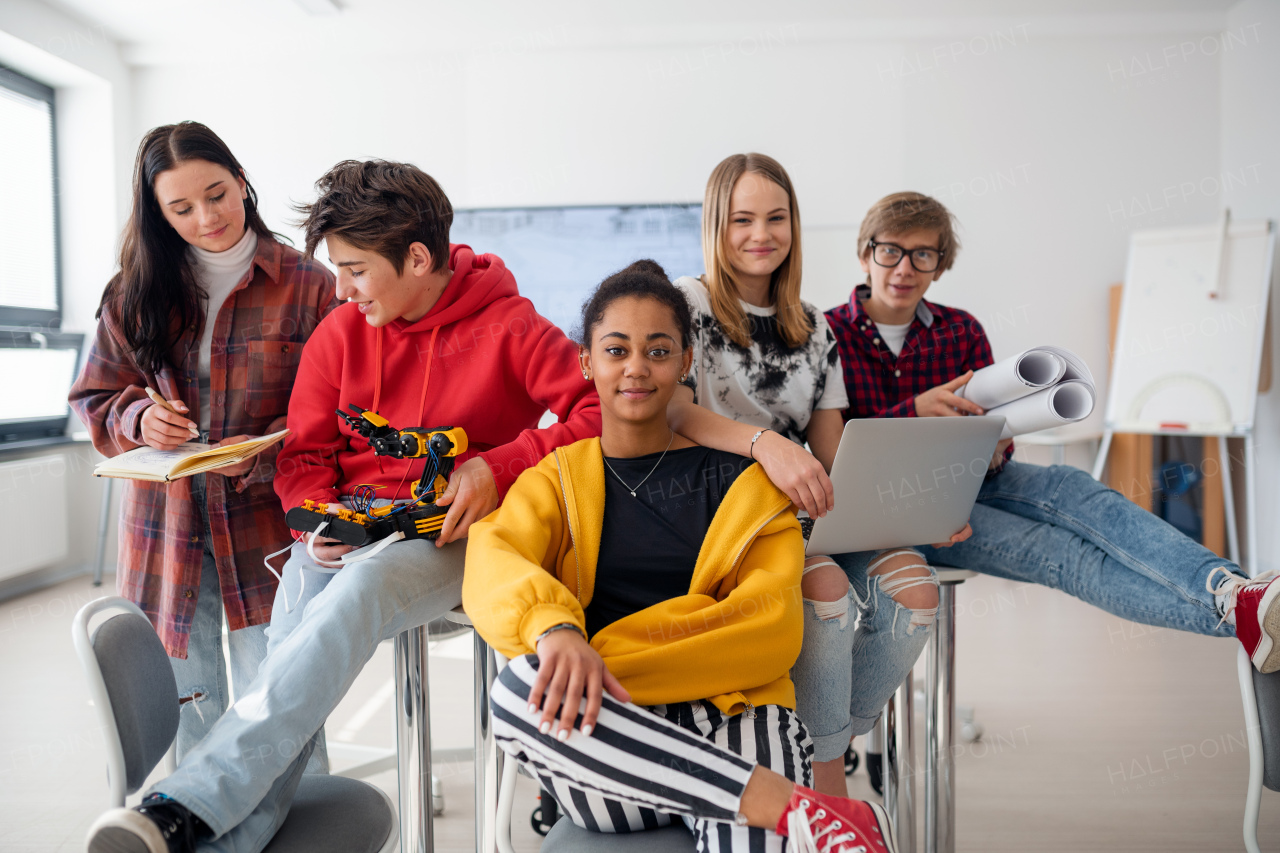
793, 322
903, 212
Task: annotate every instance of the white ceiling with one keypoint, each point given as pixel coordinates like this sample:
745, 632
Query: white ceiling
161, 31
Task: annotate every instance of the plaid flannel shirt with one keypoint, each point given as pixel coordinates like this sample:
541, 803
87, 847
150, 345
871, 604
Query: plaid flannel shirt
257, 342
941, 344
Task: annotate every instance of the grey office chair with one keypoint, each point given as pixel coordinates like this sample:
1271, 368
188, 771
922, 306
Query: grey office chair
565, 837
1261, 694
132, 686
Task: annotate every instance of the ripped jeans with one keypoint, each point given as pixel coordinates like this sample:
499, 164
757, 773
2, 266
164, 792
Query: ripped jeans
848, 668
202, 677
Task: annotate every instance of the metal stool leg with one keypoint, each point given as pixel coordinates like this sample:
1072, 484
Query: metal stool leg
488, 758
413, 742
939, 728
898, 720
104, 521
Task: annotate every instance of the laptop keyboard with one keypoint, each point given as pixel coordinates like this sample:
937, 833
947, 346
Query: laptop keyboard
806, 527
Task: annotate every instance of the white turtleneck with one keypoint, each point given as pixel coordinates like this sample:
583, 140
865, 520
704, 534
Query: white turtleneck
218, 273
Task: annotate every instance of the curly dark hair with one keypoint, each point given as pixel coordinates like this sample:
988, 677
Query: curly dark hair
380, 206
646, 279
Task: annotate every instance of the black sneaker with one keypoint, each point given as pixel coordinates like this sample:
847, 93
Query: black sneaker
875, 772
157, 825
875, 769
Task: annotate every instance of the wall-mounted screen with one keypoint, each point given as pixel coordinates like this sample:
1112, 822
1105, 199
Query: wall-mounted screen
559, 254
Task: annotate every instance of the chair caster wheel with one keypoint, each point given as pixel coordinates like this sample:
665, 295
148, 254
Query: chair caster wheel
545, 814
437, 797
972, 732
851, 760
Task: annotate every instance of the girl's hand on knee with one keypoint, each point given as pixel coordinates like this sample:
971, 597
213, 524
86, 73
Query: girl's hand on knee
956, 538
569, 670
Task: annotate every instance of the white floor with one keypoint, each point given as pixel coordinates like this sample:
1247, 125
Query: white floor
1100, 734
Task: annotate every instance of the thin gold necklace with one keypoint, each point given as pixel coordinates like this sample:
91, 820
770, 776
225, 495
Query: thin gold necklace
646, 476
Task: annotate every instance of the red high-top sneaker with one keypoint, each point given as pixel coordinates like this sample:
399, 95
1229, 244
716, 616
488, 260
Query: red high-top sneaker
1256, 604
820, 823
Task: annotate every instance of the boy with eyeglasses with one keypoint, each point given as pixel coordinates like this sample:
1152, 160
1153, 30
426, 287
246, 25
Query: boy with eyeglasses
1056, 525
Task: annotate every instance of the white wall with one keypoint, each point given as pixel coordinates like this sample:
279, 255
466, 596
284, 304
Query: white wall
1045, 145
1250, 130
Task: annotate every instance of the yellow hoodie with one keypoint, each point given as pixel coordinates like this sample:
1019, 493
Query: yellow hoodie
732, 639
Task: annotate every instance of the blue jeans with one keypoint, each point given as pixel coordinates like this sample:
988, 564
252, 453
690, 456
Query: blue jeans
204, 672
241, 778
846, 673
202, 677
1059, 527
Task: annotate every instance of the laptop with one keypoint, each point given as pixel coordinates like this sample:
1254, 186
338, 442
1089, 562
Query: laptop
904, 481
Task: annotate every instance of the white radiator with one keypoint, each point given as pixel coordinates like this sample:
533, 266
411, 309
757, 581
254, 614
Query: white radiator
33, 514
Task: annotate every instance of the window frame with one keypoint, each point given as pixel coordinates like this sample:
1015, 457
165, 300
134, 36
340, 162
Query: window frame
11, 315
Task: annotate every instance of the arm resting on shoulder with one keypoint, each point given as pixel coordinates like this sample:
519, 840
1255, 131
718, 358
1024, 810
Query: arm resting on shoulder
551, 377
705, 426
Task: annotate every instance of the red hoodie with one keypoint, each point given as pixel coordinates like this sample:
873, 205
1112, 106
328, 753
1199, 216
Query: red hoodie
497, 367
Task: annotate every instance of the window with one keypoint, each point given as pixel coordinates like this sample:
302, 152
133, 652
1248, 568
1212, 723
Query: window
30, 291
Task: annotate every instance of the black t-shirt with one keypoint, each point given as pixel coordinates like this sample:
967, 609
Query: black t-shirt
650, 542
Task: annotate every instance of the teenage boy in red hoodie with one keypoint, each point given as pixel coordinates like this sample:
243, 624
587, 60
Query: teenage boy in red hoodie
432, 335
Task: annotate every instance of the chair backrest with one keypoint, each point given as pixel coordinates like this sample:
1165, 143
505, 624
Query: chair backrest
132, 684
1266, 689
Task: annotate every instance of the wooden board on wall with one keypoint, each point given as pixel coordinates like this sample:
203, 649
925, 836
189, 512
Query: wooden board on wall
1131, 461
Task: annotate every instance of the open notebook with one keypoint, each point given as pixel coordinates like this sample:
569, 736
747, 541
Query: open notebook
161, 466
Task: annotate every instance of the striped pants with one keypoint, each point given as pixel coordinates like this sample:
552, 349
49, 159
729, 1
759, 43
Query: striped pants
642, 767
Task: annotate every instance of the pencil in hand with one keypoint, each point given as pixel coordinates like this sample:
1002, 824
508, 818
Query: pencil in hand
161, 401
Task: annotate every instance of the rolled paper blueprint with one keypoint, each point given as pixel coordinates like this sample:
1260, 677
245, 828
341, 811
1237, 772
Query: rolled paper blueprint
1024, 389
1014, 377
1064, 403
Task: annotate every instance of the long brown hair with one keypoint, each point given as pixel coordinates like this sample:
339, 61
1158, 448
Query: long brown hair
155, 296
793, 323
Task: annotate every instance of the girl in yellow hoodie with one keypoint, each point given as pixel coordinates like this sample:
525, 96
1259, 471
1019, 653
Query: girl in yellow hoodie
647, 591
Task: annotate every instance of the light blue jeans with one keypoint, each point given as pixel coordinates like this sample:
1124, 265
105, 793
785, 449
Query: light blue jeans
202, 677
241, 778
846, 673
1061, 528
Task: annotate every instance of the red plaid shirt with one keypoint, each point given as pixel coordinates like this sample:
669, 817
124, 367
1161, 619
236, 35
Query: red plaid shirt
941, 344
257, 342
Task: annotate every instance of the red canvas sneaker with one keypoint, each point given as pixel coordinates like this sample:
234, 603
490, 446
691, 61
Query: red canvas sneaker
1256, 604
820, 823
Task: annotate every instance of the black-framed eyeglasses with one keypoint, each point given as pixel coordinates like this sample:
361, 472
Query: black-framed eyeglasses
890, 255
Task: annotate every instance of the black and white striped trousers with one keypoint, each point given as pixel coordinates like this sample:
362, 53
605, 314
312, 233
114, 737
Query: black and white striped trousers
641, 767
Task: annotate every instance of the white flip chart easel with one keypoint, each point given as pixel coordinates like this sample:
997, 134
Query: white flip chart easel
1189, 345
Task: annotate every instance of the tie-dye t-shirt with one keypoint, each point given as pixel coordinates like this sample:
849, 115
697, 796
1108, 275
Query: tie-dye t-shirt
768, 384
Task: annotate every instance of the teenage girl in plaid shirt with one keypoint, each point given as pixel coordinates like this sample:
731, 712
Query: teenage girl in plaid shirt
211, 311
765, 379
1056, 525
